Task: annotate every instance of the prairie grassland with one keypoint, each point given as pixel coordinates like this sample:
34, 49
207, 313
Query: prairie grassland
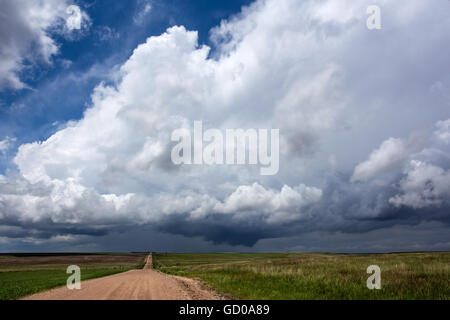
25, 274
315, 275
26, 262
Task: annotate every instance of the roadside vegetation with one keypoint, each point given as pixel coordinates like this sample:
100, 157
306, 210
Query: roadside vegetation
314, 275
26, 274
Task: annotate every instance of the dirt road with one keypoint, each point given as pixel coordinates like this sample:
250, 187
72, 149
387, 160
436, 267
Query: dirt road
145, 284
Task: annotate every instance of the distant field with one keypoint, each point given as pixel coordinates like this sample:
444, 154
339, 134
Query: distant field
26, 261
25, 274
314, 275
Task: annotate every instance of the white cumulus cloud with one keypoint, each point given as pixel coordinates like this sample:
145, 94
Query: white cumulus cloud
425, 185
26, 34
391, 154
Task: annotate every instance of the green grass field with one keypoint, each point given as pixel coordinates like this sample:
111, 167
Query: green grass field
16, 284
314, 275
22, 275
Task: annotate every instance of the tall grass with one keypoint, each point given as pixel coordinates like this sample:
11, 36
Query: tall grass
315, 275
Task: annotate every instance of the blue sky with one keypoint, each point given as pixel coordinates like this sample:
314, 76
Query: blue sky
90, 92
57, 94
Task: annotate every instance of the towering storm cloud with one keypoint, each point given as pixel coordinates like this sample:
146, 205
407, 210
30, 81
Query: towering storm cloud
364, 120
